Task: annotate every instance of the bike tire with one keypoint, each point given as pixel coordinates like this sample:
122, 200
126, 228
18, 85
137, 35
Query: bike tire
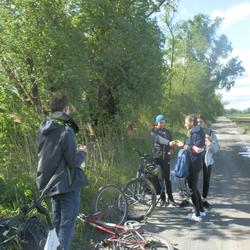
135, 242
141, 197
111, 202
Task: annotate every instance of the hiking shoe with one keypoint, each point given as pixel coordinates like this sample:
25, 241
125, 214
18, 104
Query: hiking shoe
184, 203
193, 217
206, 204
203, 214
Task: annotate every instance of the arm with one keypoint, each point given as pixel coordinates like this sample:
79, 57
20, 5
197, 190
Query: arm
214, 145
197, 143
73, 157
159, 139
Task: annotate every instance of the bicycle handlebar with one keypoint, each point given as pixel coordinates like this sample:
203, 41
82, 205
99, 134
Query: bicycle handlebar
146, 156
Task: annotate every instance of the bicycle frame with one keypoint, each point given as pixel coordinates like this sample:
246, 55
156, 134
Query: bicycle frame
144, 159
10, 226
118, 234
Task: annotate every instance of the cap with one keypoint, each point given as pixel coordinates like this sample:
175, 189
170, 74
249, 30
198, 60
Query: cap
159, 118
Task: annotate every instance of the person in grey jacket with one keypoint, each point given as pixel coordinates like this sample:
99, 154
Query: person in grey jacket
212, 147
58, 155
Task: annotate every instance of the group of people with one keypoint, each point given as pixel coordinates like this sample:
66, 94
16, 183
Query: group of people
60, 156
201, 143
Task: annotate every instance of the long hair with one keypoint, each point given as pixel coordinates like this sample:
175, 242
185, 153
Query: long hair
192, 118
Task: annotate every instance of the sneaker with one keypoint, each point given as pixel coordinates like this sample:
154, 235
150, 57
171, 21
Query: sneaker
205, 204
193, 217
184, 203
163, 203
203, 214
171, 204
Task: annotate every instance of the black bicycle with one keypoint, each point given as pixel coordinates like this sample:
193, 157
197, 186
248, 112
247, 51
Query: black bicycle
25, 231
140, 193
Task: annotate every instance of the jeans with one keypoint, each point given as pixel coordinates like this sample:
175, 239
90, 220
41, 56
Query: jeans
65, 208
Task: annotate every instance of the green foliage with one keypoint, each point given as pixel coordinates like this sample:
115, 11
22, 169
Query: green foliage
118, 68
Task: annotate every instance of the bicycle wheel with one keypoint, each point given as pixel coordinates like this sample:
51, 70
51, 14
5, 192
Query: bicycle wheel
142, 241
111, 204
154, 242
141, 197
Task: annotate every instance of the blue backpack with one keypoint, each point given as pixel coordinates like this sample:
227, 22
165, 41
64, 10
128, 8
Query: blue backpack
181, 169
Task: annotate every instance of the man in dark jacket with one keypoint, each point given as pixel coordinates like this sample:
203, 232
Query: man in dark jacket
58, 155
162, 144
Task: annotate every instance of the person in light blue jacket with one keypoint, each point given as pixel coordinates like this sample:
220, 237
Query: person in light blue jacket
212, 147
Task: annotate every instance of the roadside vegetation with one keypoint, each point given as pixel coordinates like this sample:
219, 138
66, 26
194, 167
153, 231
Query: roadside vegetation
242, 118
119, 68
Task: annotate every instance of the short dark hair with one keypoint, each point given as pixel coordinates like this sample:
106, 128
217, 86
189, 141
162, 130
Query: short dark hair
58, 102
202, 117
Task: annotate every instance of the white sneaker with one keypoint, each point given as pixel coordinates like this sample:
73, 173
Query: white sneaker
193, 217
203, 214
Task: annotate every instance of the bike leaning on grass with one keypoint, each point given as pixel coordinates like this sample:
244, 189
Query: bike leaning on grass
140, 192
26, 231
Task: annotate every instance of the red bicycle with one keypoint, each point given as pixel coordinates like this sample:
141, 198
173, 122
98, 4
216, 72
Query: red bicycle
110, 205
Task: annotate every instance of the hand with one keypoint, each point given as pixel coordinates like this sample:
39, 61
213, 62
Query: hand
82, 148
209, 138
172, 144
185, 147
179, 143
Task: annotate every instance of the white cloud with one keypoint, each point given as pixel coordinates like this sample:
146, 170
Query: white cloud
236, 13
239, 96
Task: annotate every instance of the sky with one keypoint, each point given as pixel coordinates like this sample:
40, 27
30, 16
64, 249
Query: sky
236, 26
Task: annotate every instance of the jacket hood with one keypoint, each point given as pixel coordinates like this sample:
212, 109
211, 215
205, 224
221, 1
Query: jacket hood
196, 129
47, 126
56, 120
66, 119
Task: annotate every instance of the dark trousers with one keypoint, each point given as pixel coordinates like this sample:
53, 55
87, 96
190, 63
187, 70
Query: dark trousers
206, 179
65, 208
194, 170
165, 171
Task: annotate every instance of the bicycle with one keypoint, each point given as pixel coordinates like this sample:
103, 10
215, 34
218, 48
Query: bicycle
110, 205
140, 192
124, 237
25, 232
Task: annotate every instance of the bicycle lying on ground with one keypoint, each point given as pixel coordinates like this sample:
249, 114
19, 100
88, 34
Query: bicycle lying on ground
124, 237
140, 192
26, 232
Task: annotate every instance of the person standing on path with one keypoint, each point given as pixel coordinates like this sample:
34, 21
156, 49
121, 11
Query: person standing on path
162, 144
195, 145
58, 154
212, 147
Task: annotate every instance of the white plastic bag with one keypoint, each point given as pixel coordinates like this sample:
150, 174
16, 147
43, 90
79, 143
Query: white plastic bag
52, 241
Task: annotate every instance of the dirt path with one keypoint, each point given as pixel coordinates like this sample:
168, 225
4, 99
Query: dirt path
227, 224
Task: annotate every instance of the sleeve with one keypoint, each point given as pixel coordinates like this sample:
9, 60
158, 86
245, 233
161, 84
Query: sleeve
198, 143
73, 157
159, 139
215, 145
